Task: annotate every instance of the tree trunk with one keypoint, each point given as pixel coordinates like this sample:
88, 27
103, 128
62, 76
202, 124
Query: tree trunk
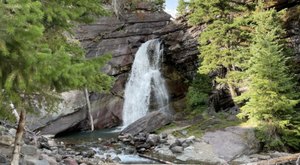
18, 139
90, 117
118, 8
292, 159
232, 91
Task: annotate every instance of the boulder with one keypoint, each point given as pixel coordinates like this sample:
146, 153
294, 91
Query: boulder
63, 123
177, 149
29, 160
107, 111
51, 160
70, 161
3, 159
7, 140
149, 123
153, 139
70, 102
12, 131
29, 150
232, 142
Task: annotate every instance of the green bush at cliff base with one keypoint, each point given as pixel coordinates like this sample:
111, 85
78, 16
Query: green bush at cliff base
198, 92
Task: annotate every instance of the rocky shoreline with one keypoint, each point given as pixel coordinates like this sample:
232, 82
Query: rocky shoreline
233, 145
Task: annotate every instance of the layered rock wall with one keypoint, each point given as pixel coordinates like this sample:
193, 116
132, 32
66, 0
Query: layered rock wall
121, 38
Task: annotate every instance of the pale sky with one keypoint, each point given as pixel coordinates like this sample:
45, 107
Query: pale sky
171, 6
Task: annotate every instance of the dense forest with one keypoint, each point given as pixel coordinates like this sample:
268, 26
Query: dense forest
244, 47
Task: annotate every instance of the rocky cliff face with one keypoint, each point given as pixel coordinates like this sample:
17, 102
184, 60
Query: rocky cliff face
121, 38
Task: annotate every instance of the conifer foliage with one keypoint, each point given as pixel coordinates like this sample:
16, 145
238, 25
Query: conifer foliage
247, 43
223, 42
36, 57
271, 97
182, 7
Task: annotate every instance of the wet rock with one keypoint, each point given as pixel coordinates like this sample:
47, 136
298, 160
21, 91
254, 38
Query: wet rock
116, 159
149, 123
90, 153
177, 149
129, 150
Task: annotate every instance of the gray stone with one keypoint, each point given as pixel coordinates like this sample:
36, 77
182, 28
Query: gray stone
51, 160
116, 159
29, 150
149, 123
6, 140
153, 139
232, 142
90, 153
29, 160
129, 150
164, 135
184, 144
58, 157
12, 131
63, 123
3, 159
2, 128
197, 153
177, 149
70, 161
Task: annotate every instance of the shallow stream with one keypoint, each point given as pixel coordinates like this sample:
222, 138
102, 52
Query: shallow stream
105, 145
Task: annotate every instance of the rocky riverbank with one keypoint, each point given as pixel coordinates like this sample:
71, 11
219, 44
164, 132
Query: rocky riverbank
232, 145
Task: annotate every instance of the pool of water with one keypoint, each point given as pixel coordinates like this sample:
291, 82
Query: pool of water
90, 136
82, 141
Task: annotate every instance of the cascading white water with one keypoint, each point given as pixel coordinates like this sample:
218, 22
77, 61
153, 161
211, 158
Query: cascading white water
145, 84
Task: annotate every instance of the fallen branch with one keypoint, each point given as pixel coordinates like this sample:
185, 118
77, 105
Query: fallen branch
284, 159
155, 159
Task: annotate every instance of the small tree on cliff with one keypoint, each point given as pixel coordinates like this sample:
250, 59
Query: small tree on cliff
271, 95
37, 59
181, 8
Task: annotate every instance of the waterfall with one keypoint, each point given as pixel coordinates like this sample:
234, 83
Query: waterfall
145, 89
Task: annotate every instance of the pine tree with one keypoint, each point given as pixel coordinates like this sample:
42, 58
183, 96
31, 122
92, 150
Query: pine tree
37, 60
271, 97
223, 43
181, 8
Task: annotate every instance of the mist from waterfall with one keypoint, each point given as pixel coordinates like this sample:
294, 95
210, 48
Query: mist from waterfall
146, 87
